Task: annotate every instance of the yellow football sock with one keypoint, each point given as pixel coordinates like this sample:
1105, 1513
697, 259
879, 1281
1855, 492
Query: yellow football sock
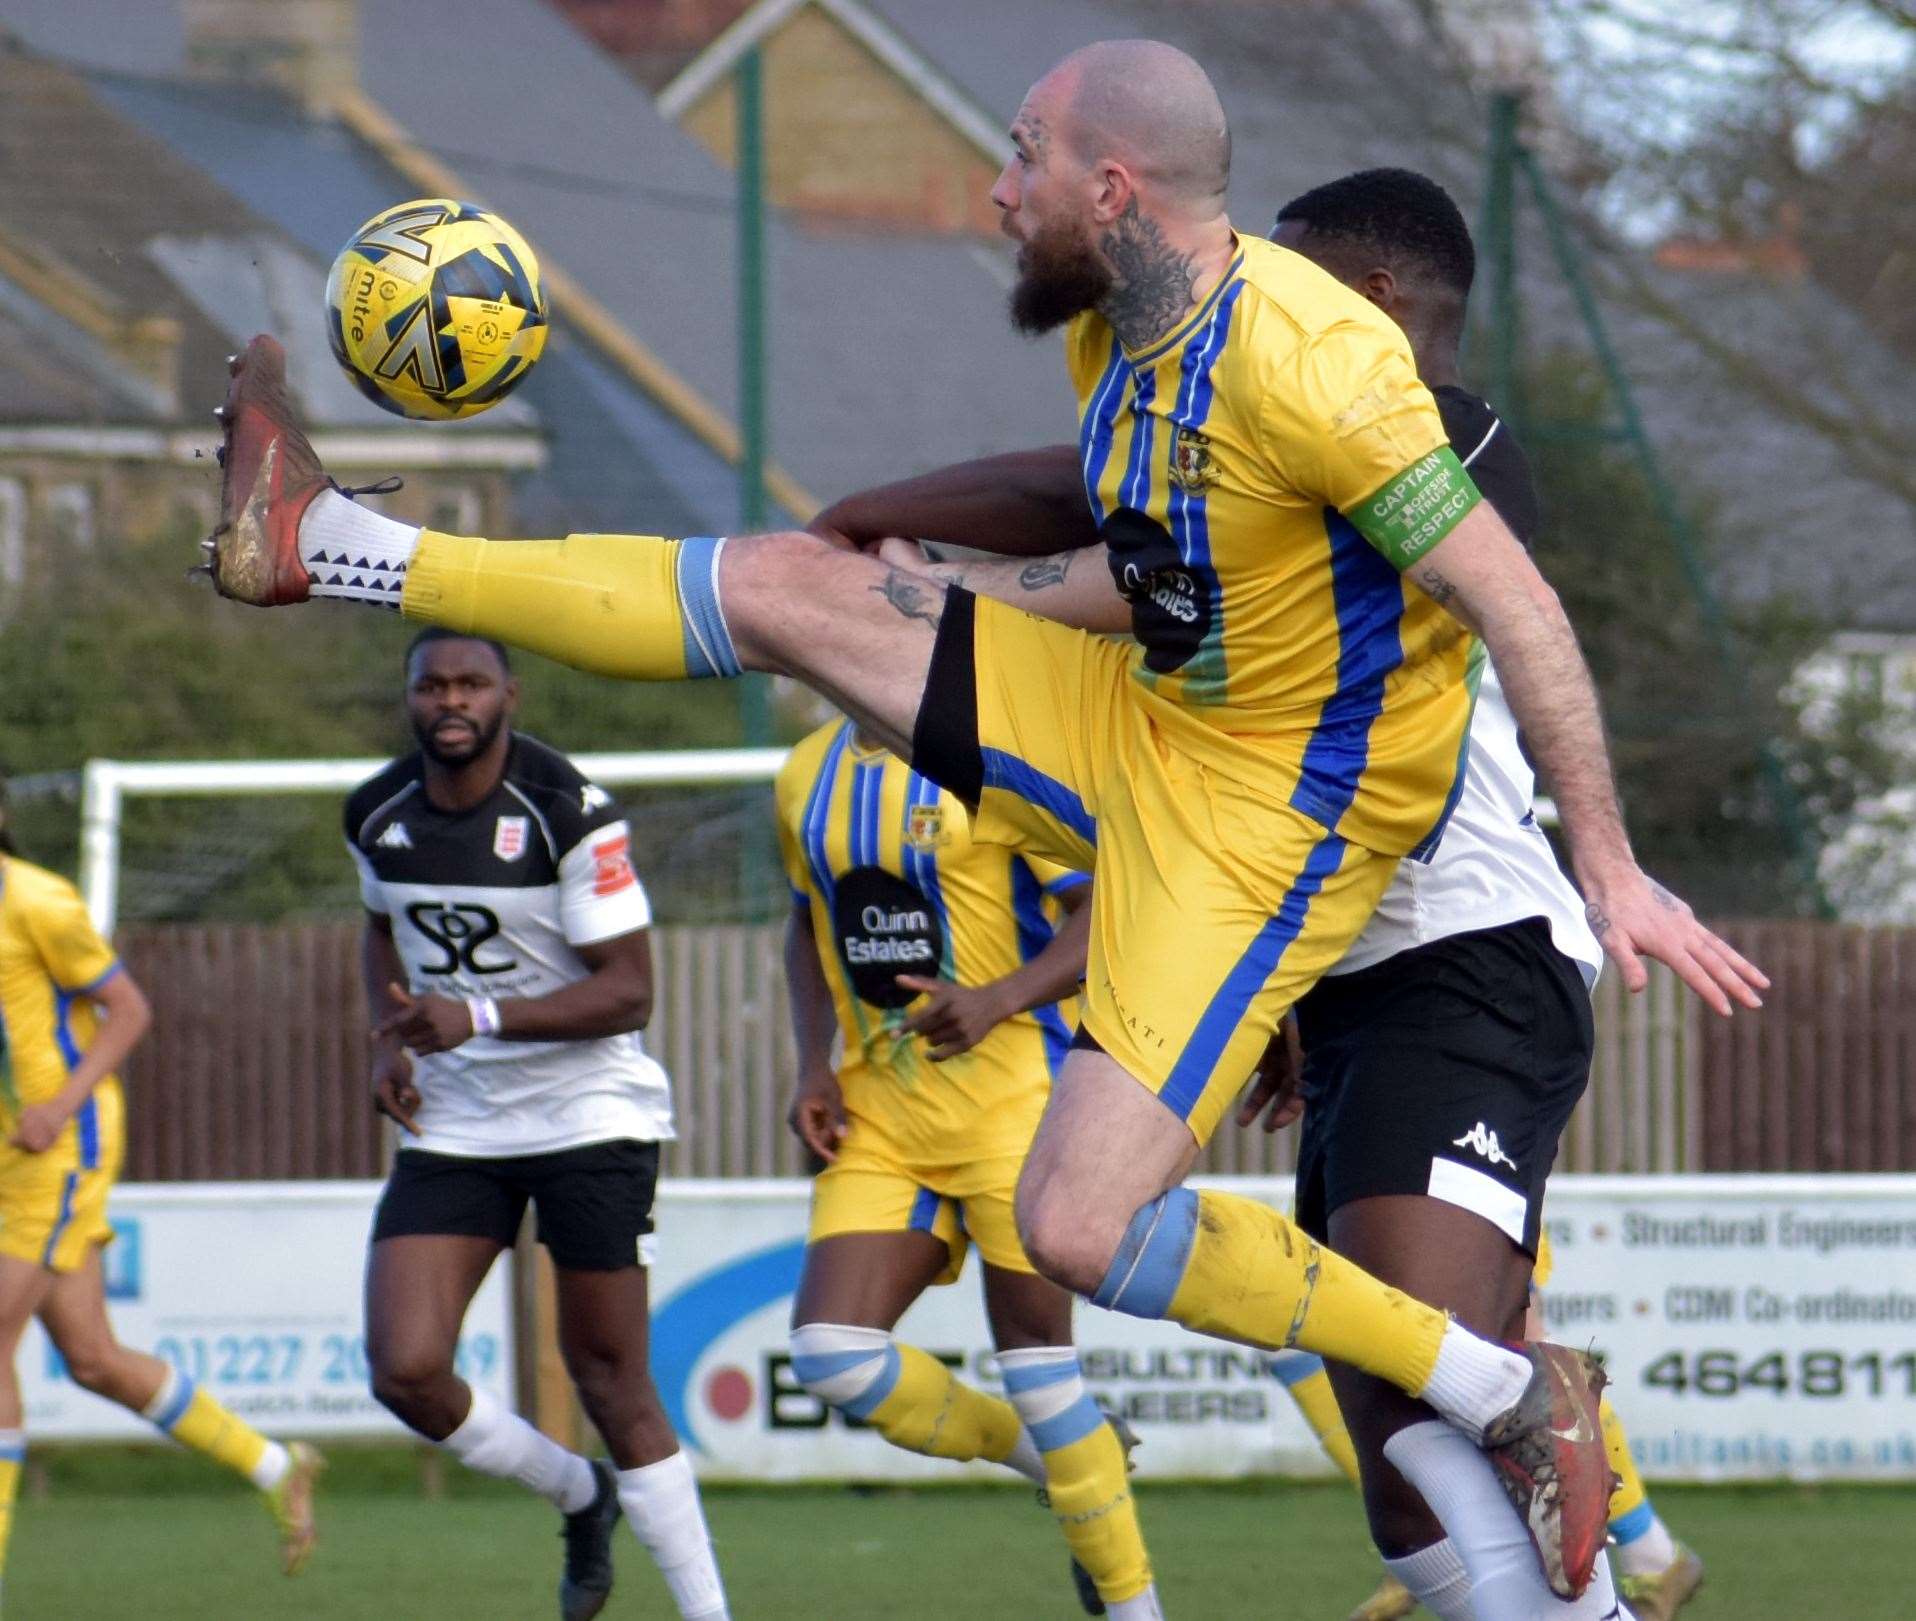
929, 1410
1310, 1387
196, 1420
637, 607
13, 1457
1229, 1266
1085, 1468
1630, 1494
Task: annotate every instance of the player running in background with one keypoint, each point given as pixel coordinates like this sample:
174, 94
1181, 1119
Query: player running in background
69, 1016
936, 962
1444, 1054
509, 971
1283, 725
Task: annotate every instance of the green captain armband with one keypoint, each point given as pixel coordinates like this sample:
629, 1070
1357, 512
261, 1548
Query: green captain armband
1417, 508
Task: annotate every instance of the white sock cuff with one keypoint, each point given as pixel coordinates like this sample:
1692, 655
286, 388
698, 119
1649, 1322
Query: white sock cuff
1437, 1579
353, 552
837, 1362
13, 1445
164, 1397
273, 1466
1474, 1381
478, 1426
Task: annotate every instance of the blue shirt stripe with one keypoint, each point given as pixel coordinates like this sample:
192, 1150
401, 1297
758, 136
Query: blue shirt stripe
921, 868
1204, 673
1135, 491
817, 821
1096, 432
1369, 595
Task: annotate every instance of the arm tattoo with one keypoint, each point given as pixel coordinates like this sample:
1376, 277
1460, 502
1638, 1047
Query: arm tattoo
911, 600
1599, 924
1436, 587
1047, 571
1152, 292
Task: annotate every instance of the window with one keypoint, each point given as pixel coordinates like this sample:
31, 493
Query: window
70, 514
456, 511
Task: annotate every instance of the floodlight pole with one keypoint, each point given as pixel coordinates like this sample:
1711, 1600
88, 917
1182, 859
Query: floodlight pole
1510, 165
754, 697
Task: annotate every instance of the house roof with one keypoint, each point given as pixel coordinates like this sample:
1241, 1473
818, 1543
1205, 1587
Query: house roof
890, 353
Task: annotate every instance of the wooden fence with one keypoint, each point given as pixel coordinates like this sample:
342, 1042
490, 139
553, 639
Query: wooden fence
256, 1066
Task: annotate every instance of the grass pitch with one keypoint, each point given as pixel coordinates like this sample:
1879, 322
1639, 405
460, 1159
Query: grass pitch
156, 1536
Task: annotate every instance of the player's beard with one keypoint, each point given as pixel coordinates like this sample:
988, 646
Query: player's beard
1060, 274
463, 751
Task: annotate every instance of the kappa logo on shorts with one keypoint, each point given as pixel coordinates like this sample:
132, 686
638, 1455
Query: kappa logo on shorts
1481, 1140
509, 837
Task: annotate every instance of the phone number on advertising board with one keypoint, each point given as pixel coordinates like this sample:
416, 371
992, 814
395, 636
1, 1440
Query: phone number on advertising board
278, 1359
1826, 1374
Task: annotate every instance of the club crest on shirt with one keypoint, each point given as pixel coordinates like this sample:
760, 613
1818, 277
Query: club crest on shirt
509, 838
925, 827
1193, 469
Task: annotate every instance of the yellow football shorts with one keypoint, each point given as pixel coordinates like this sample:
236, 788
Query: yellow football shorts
1541, 1268
52, 1205
867, 1190
1216, 906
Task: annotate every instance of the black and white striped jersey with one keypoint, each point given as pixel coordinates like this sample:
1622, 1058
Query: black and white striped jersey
494, 901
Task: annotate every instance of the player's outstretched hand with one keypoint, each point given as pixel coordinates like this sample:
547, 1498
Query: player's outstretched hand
394, 1095
953, 1018
1275, 1082
425, 1024
817, 1115
1634, 917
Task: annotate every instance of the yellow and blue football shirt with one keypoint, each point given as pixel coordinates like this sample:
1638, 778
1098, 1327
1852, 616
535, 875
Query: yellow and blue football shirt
52, 1205
1261, 476
896, 885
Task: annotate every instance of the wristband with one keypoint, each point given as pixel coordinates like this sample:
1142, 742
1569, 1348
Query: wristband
484, 1013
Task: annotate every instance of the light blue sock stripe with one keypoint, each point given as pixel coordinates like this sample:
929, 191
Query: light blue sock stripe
827, 1364
864, 1406
1627, 1528
1151, 1261
182, 1399
1073, 1424
1020, 1378
13, 1452
708, 645
1294, 1367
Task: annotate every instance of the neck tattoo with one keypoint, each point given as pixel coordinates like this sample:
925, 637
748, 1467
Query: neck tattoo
1154, 282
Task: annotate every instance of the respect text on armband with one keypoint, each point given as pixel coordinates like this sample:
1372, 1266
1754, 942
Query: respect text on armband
1415, 510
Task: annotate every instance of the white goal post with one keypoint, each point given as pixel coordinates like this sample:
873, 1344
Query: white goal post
108, 784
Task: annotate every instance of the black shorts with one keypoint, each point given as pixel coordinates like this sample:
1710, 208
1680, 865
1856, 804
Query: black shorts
594, 1202
1449, 1071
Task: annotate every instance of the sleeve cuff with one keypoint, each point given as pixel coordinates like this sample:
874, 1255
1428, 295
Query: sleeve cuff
93, 985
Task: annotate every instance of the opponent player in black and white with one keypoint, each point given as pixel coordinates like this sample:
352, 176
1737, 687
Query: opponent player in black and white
1444, 1054
508, 967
